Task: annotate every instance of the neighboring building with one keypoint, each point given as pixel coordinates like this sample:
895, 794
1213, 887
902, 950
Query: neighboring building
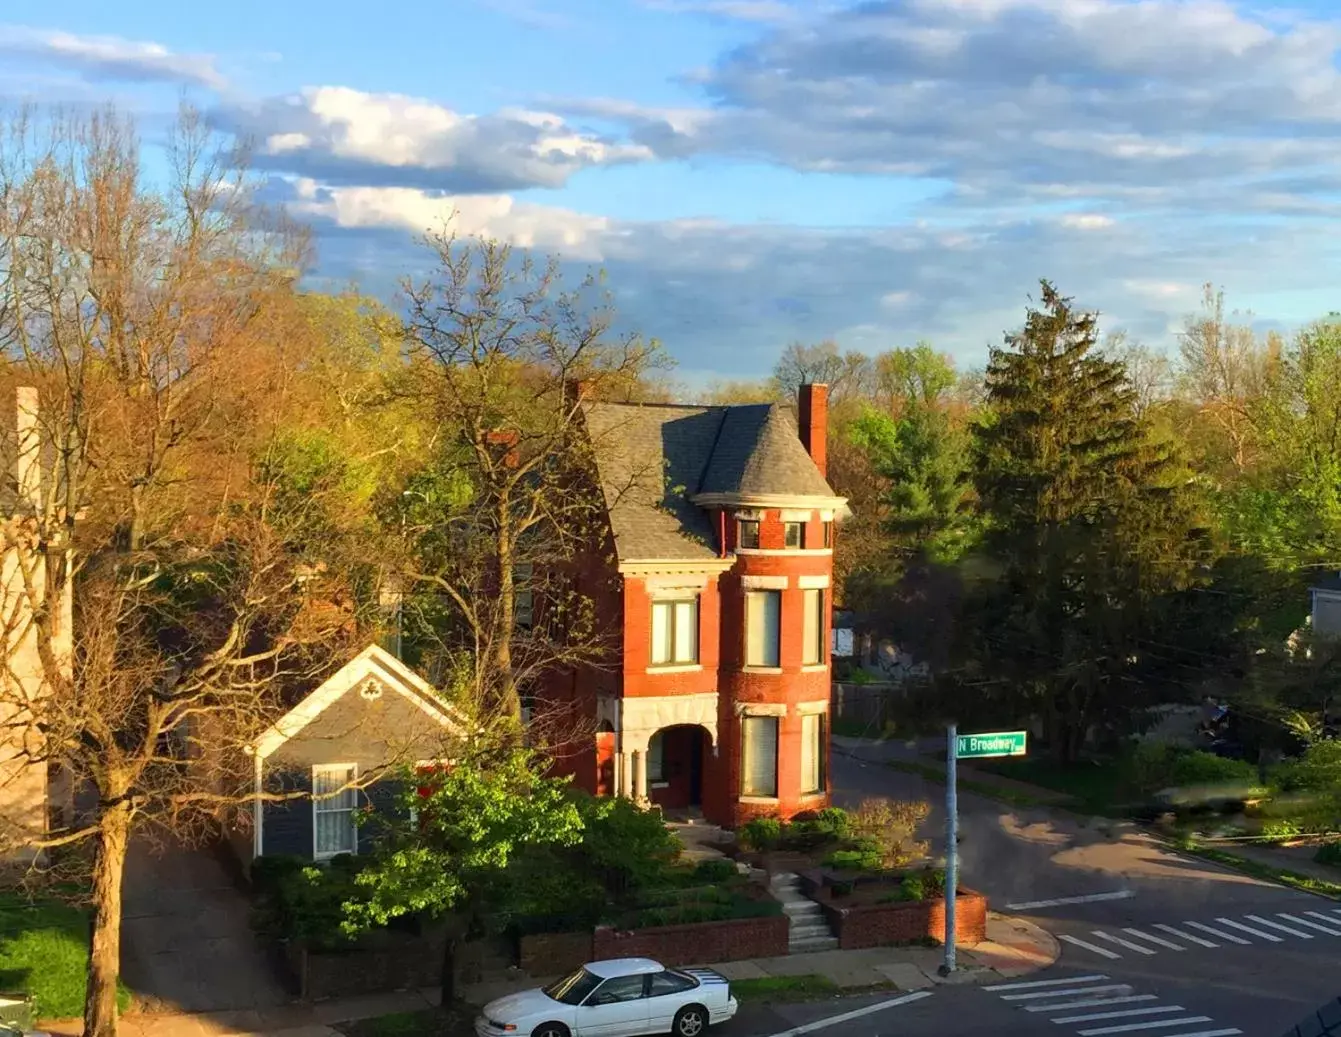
25, 788
373, 717
1326, 613
715, 580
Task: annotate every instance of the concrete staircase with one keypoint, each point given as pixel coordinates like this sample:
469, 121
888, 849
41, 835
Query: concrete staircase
808, 931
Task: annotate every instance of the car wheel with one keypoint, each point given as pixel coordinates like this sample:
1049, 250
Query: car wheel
690, 1021
550, 1030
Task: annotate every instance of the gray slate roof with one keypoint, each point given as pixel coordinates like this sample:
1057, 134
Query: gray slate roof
652, 458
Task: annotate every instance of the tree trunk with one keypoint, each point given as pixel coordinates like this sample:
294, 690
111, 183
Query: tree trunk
448, 977
104, 960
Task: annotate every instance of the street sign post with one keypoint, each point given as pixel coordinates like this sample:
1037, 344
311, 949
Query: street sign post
969, 747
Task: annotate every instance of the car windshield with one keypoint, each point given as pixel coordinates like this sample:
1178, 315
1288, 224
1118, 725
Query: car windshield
573, 988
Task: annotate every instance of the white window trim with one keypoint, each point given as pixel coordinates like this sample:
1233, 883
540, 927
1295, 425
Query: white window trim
815, 668
656, 668
792, 552
749, 797
819, 642
672, 664
761, 709
796, 515
817, 706
813, 583
764, 583
779, 591
344, 768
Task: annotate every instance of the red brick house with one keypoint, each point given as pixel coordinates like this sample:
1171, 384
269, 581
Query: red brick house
721, 531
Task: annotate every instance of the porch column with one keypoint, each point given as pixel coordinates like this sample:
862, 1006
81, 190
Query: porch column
640, 776
625, 771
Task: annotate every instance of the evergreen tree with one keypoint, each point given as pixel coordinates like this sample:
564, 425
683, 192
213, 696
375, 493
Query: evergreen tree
1091, 521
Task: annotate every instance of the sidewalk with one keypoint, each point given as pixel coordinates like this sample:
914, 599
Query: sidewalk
1013, 948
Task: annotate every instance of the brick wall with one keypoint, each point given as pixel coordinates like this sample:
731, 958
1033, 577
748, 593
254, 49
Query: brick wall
552, 954
696, 944
879, 925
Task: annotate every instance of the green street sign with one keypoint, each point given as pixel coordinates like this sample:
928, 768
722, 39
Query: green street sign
999, 743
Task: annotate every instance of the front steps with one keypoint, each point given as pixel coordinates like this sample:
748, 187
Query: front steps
808, 931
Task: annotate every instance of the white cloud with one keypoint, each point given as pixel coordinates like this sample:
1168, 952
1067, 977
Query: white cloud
338, 134
1086, 221
111, 57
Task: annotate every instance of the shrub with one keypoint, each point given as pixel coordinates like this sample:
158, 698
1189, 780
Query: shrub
913, 887
1281, 828
717, 869
835, 821
623, 846
307, 904
1329, 853
1318, 770
267, 871
761, 833
893, 827
1200, 768
863, 859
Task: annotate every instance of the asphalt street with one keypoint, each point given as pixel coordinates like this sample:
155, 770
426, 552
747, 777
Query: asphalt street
1178, 947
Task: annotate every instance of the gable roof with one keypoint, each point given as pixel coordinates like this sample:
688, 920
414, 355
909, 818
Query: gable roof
374, 663
653, 460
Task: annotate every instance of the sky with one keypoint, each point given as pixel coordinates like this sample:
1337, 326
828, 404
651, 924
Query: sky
751, 173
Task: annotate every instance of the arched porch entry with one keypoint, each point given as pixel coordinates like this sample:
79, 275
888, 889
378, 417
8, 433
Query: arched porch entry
676, 760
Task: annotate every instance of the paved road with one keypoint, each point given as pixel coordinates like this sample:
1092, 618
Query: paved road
1186, 940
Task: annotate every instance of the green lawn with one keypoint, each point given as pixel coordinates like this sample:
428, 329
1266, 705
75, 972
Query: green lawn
1103, 787
44, 952
784, 988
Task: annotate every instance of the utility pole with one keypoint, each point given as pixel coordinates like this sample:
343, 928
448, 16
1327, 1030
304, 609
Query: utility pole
951, 844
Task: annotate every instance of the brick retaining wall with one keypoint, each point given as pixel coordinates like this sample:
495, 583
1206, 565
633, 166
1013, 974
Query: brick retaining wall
879, 925
552, 954
696, 944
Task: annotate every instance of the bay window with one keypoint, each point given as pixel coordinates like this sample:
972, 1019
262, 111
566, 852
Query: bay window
812, 753
759, 756
812, 633
763, 621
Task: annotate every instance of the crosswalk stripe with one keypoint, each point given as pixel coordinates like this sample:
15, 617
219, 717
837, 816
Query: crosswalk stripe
1231, 1032
1276, 925
1125, 1013
1129, 1027
1110, 988
1095, 1003
1312, 925
1155, 939
1250, 929
1326, 918
1216, 932
1044, 983
1184, 936
1077, 941
1123, 943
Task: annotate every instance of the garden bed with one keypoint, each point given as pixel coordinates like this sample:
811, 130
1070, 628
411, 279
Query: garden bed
897, 908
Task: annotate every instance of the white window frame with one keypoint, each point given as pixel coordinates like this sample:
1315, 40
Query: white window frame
740, 533
672, 639
656, 761
746, 723
812, 648
800, 528
753, 600
350, 775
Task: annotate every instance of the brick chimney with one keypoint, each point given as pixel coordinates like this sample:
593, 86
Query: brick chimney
812, 418
577, 391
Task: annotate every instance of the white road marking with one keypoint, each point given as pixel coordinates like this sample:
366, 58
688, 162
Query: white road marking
1155, 939
1123, 943
1124, 1014
1097, 1002
857, 1013
1250, 929
1110, 988
1088, 946
1092, 898
1312, 925
1184, 936
1129, 1027
1213, 1033
1044, 983
1326, 918
1276, 925
1216, 932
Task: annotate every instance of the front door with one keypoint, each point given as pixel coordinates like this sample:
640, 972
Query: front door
617, 1008
696, 767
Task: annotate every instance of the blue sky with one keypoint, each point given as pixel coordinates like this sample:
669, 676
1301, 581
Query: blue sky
756, 172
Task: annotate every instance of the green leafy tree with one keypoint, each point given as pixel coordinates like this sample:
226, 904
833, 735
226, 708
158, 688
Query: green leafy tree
464, 825
1090, 521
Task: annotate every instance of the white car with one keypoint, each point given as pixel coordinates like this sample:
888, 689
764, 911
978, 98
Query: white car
623, 997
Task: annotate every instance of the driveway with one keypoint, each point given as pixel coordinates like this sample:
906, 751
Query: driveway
185, 941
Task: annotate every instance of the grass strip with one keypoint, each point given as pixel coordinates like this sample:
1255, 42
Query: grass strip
1268, 872
936, 773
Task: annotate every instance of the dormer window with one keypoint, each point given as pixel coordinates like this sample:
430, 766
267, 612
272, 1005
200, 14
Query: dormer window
747, 533
794, 535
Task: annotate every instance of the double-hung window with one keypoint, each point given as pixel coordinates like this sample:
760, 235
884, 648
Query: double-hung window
747, 533
759, 756
675, 632
334, 801
812, 633
763, 622
812, 752
794, 535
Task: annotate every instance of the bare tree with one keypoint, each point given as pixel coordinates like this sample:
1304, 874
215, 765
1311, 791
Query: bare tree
157, 591
1150, 373
1225, 370
503, 358
848, 375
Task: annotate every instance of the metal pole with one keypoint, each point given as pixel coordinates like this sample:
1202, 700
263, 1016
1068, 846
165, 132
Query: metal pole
952, 844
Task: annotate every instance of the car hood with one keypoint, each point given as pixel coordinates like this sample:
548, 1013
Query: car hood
523, 1004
